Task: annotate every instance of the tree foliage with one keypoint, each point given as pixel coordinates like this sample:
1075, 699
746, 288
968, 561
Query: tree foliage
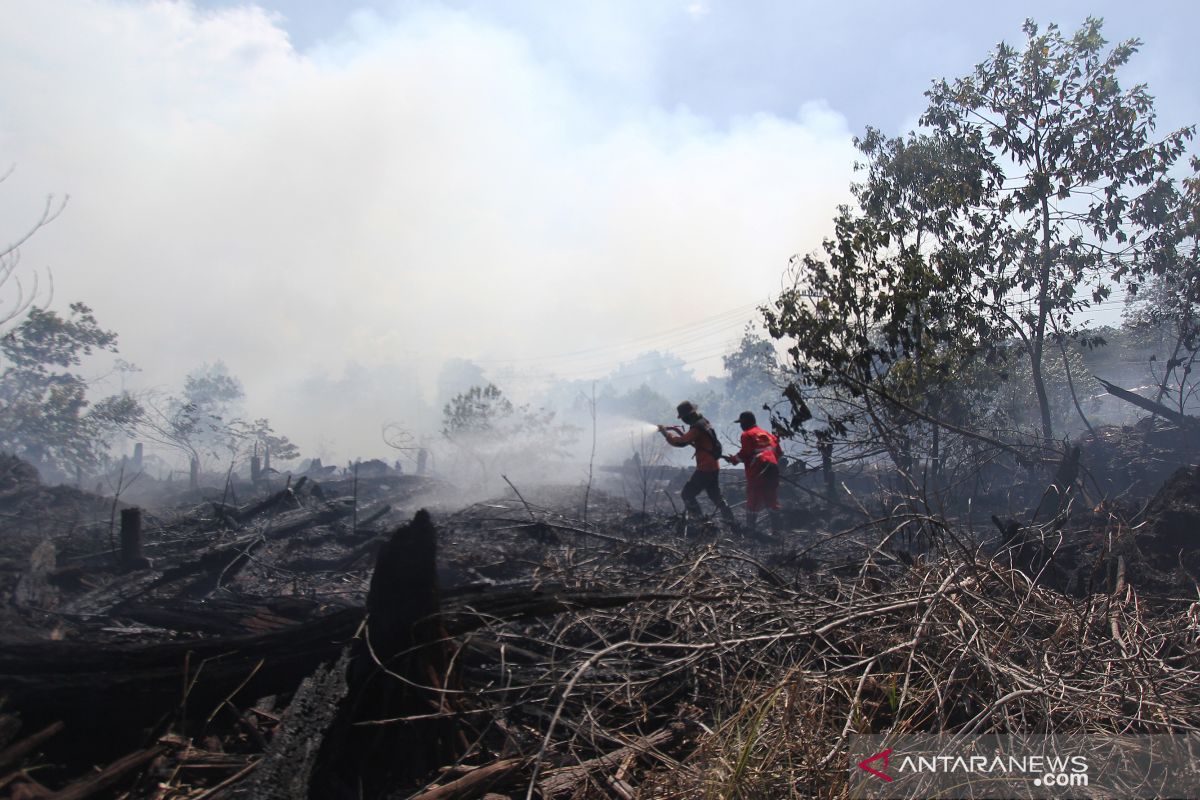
200, 422
1036, 185
263, 439
1167, 301
1082, 191
486, 427
45, 414
751, 371
892, 306
479, 410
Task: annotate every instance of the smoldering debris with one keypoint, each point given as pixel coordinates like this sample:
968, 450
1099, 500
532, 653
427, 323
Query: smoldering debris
291, 644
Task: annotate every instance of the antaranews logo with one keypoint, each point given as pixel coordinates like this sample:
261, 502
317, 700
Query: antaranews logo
880, 760
976, 767
1042, 770
996, 766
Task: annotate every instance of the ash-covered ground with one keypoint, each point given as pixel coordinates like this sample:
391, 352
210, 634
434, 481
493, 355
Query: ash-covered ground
582, 640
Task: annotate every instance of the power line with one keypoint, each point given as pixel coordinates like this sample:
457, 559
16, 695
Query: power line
687, 332
608, 362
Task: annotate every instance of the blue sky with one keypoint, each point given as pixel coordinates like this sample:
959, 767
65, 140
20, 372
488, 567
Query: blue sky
312, 191
870, 60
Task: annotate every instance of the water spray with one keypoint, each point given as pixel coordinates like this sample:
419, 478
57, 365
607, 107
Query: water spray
623, 426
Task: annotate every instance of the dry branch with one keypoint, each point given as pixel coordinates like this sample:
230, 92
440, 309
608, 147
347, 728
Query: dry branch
477, 782
13, 754
108, 776
566, 780
1153, 407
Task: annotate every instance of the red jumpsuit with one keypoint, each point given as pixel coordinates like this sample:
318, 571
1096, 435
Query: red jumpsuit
760, 453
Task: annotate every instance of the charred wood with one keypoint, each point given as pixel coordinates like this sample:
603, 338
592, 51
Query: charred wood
399, 670
342, 563
287, 765
111, 696
13, 754
10, 726
224, 617
284, 497
109, 776
118, 686
131, 539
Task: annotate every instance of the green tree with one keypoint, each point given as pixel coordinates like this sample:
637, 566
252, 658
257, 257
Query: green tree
478, 410
1167, 301
45, 414
751, 371
491, 430
892, 306
1082, 188
1037, 180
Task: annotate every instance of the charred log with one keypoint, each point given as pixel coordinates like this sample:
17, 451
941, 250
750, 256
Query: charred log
396, 724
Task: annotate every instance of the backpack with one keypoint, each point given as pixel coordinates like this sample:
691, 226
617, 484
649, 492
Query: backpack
706, 426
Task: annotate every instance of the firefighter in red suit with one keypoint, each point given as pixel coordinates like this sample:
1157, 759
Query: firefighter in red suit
761, 454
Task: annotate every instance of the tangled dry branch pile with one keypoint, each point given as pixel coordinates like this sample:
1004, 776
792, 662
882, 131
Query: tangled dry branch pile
620, 659
721, 678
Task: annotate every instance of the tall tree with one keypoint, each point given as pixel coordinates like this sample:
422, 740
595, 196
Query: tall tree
1083, 182
751, 370
893, 305
266, 442
1036, 186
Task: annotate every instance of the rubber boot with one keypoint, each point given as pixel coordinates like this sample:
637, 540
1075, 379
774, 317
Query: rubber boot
727, 515
751, 523
691, 513
776, 521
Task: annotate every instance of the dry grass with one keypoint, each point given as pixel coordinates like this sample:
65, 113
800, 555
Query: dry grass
777, 674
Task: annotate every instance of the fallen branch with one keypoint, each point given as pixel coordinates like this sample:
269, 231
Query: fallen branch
109, 775
1158, 409
12, 755
477, 782
567, 779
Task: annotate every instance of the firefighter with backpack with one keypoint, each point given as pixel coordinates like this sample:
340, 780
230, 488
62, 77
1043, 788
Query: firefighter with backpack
701, 436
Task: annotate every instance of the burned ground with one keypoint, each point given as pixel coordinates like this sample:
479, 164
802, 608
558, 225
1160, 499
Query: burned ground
325, 639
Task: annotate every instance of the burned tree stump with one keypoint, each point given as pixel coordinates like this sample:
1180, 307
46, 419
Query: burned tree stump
131, 539
1059, 491
826, 451
396, 725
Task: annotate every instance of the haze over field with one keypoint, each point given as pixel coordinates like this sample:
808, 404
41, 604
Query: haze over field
334, 203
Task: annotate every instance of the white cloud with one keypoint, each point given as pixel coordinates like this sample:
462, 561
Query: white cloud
410, 191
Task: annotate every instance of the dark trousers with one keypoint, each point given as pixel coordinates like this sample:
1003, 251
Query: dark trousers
709, 482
